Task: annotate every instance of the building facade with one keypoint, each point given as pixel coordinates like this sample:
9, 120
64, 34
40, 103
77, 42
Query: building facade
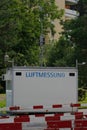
70, 12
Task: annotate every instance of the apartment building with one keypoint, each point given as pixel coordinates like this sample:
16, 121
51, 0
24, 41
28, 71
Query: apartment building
70, 9
70, 12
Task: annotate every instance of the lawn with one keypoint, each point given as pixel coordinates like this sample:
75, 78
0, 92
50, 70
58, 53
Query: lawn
2, 100
84, 102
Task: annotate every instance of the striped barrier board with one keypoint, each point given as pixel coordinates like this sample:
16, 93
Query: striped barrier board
64, 108
44, 117
53, 107
72, 105
50, 125
44, 107
11, 126
65, 121
73, 120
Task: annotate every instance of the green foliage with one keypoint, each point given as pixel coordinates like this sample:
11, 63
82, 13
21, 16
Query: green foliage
81, 94
9, 23
73, 45
21, 24
77, 26
76, 32
62, 54
20, 28
82, 7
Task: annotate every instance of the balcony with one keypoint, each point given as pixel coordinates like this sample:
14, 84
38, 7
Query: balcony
71, 2
71, 13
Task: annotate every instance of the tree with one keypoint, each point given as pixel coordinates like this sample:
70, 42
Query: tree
62, 54
20, 27
39, 14
82, 7
21, 23
78, 36
9, 25
73, 45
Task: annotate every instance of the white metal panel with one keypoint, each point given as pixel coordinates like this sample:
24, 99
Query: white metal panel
46, 90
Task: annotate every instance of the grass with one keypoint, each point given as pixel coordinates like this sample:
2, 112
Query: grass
83, 102
2, 100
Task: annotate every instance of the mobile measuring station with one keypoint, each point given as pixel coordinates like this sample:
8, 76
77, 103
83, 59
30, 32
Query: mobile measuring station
31, 86
41, 98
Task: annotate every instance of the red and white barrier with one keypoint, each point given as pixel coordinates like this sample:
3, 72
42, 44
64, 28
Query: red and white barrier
50, 125
45, 109
54, 107
73, 120
65, 121
11, 126
43, 117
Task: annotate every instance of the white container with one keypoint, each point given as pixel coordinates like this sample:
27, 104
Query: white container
42, 86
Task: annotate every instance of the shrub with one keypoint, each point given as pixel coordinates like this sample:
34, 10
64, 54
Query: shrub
81, 94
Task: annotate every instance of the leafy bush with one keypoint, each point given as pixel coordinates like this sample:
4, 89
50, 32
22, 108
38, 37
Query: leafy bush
81, 94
